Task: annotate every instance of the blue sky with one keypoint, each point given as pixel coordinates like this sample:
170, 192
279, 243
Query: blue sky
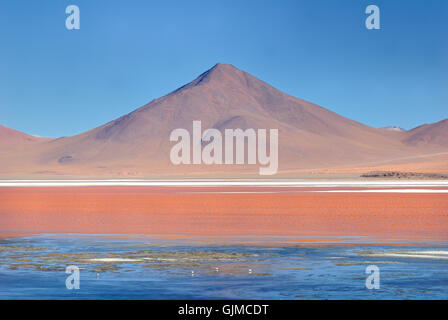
56, 82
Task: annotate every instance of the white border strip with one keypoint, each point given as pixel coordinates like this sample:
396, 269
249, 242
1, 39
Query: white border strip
222, 183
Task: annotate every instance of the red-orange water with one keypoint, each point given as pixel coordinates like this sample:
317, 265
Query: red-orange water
184, 211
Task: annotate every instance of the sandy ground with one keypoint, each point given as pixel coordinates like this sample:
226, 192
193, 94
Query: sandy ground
224, 211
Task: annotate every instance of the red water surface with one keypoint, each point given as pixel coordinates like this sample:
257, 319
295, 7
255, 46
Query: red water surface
172, 211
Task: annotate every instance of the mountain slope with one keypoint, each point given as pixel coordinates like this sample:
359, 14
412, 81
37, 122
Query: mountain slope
13, 139
434, 133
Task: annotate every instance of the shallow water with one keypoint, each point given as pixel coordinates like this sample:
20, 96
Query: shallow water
149, 268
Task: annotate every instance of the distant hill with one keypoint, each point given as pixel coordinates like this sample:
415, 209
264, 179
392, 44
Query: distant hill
434, 133
13, 139
393, 128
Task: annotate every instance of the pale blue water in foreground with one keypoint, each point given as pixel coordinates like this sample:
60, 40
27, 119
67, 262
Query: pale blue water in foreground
146, 268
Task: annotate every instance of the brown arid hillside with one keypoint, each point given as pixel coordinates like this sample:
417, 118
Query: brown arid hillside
137, 144
429, 134
10, 138
13, 141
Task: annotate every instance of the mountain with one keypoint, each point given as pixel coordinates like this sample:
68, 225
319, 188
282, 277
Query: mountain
434, 133
224, 97
13, 139
393, 128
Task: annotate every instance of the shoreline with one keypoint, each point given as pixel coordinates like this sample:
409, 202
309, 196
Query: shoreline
222, 183
239, 240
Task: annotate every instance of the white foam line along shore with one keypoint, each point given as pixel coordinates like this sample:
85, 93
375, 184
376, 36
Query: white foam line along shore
412, 254
388, 191
415, 184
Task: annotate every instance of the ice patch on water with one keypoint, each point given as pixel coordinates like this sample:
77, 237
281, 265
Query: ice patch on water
430, 254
